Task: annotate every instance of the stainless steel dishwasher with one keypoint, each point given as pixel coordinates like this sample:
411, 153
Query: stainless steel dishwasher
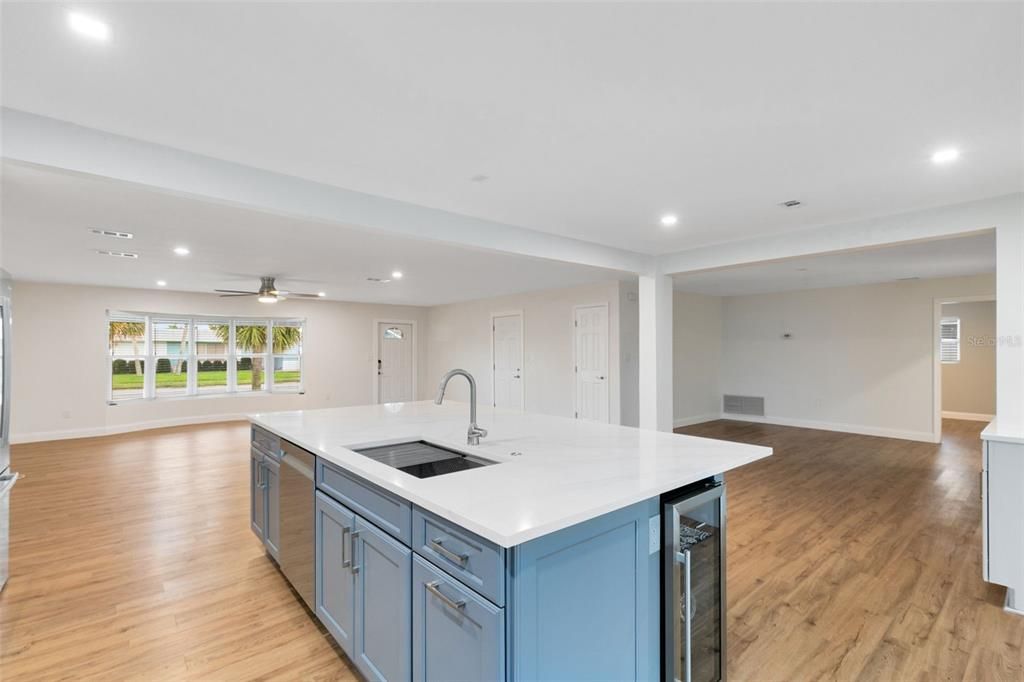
298, 492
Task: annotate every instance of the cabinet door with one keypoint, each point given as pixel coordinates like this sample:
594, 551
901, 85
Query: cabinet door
257, 496
335, 579
383, 570
456, 633
272, 529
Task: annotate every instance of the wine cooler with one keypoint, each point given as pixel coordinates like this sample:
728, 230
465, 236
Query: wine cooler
693, 583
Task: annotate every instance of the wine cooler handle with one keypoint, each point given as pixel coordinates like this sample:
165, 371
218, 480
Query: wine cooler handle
687, 592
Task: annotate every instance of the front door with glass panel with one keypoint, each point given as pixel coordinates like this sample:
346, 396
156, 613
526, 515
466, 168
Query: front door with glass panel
394, 362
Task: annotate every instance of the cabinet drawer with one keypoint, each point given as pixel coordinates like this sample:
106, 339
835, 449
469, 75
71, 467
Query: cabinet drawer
265, 441
477, 562
457, 635
388, 512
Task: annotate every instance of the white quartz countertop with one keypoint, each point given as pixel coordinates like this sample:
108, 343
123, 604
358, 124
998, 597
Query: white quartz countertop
1004, 430
569, 470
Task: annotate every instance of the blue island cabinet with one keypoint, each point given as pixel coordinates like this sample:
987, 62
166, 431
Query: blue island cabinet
442, 603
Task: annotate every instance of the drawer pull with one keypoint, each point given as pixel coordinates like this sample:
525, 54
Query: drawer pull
458, 605
437, 545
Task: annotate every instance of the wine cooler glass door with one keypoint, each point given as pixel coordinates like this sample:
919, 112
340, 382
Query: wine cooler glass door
695, 627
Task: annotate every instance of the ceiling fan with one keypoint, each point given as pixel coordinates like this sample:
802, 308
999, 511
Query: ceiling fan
268, 293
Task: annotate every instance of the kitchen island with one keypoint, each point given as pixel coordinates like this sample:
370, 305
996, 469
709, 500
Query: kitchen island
545, 564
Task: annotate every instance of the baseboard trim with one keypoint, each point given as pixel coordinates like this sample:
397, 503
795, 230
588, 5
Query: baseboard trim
96, 432
920, 436
690, 421
1010, 600
970, 416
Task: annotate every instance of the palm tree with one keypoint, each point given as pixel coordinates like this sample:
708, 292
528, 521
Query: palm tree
120, 331
253, 339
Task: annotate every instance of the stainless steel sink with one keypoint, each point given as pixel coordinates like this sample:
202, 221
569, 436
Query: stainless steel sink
422, 459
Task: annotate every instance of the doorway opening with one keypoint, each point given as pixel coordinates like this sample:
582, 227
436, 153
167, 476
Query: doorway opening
965, 359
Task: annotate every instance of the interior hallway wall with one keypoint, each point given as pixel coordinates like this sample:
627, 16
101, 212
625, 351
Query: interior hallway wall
60, 371
459, 335
860, 359
969, 386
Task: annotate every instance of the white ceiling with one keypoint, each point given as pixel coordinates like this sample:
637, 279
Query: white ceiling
590, 119
46, 216
970, 255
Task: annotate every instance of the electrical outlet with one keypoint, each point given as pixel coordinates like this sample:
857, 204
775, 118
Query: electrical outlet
653, 534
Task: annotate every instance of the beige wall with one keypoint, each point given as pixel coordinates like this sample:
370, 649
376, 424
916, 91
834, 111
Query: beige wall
60, 367
969, 386
860, 358
459, 335
696, 359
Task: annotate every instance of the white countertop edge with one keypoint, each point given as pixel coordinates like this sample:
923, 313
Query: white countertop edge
1004, 431
364, 468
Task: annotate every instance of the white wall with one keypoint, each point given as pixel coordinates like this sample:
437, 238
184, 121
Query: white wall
60, 372
860, 358
459, 335
696, 366
969, 386
629, 353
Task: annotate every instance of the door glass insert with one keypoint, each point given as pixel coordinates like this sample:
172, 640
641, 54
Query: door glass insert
394, 333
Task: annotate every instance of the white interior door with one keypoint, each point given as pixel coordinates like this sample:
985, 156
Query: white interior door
394, 363
591, 343
507, 347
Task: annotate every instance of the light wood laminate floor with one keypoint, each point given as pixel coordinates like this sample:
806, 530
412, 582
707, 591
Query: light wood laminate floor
859, 558
850, 557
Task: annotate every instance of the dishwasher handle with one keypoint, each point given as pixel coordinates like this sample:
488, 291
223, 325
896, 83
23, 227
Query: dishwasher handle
7, 482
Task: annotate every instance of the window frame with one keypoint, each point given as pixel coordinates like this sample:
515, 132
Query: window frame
192, 358
954, 343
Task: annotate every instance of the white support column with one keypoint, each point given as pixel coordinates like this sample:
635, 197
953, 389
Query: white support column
656, 352
1010, 321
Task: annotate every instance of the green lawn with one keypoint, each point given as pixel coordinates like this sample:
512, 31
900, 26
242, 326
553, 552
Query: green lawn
124, 382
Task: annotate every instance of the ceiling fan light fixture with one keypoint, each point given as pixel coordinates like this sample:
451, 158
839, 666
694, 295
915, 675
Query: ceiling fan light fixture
267, 299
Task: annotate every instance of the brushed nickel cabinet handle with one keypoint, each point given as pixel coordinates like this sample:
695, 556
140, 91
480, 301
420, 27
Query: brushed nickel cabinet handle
345, 563
352, 550
457, 605
437, 545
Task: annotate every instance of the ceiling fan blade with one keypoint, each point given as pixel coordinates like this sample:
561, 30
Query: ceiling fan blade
236, 291
305, 295
235, 295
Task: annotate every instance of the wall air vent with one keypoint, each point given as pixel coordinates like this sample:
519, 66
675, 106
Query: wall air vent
792, 203
112, 233
743, 404
378, 280
117, 254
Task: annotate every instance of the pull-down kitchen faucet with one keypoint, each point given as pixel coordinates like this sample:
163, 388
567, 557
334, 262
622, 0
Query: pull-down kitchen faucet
475, 433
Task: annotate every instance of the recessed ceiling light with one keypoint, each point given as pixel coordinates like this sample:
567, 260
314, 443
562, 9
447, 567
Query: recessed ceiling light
397, 274
945, 155
669, 220
792, 203
161, 283
321, 294
117, 254
112, 233
181, 250
87, 26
